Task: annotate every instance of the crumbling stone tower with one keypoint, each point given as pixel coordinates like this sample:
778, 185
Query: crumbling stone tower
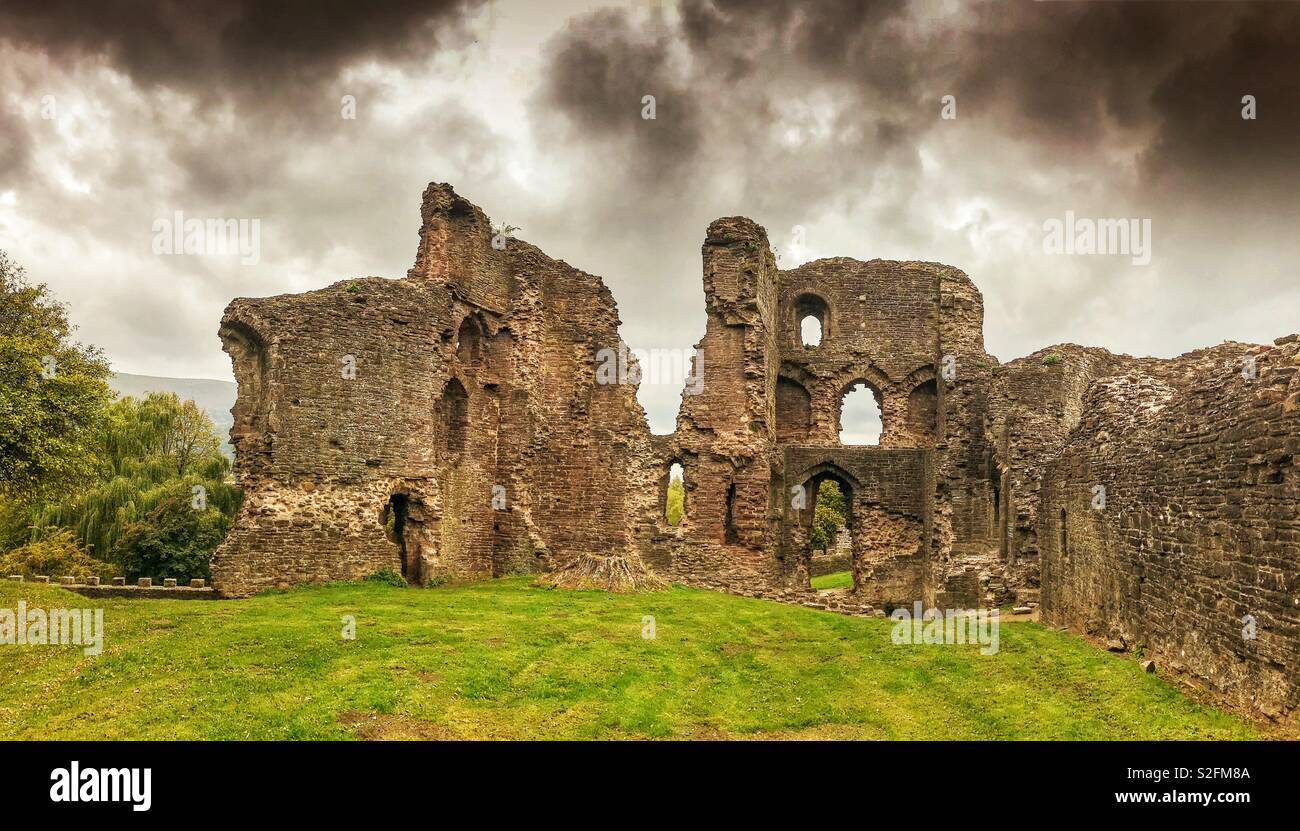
763, 433
447, 425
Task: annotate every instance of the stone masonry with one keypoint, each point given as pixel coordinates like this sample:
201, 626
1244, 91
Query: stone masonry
455, 425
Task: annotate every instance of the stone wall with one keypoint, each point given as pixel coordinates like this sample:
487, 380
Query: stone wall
1196, 545
448, 425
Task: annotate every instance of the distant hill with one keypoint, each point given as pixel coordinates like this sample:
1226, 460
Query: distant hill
214, 397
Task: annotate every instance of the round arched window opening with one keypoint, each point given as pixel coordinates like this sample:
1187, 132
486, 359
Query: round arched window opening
810, 330
469, 340
813, 318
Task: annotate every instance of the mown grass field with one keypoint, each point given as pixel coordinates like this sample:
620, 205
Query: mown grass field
834, 580
505, 659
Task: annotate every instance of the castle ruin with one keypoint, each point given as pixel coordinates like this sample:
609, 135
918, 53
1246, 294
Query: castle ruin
452, 425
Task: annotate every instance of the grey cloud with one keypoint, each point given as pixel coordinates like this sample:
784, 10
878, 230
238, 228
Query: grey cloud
253, 47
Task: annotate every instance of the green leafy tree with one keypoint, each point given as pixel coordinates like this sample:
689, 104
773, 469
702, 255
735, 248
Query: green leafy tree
676, 502
828, 517
148, 451
52, 391
173, 540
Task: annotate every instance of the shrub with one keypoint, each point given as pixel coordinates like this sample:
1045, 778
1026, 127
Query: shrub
387, 577
172, 540
58, 555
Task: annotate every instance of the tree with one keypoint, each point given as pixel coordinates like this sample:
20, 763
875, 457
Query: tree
58, 555
147, 451
52, 391
828, 517
676, 501
173, 540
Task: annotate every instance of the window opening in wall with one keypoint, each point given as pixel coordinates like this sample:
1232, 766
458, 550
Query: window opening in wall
675, 496
860, 419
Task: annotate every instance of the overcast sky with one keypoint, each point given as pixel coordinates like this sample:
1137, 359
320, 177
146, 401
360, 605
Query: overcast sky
826, 116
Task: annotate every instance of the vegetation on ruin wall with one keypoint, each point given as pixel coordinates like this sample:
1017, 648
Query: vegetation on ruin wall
92, 486
506, 659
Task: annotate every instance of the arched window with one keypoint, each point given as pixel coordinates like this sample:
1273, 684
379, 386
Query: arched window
810, 329
729, 519
812, 316
675, 495
469, 340
859, 417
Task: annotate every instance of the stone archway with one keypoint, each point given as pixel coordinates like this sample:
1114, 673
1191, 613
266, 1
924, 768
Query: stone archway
802, 532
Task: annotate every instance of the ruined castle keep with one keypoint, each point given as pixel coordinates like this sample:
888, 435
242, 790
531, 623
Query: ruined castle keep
453, 425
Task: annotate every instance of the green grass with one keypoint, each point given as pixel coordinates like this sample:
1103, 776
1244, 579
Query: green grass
834, 580
505, 659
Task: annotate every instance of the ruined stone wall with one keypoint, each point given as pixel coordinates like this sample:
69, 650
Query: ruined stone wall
724, 433
1198, 528
448, 424
1036, 401
886, 491
765, 394
879, 326
317, 450
466, 421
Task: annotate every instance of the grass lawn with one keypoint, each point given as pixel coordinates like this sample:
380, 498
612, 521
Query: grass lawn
504, 659
834, 580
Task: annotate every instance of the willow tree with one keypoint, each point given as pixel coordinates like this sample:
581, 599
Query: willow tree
158, 452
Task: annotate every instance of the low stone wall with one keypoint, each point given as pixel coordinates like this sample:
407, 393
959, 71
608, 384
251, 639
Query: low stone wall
143, 589
824, 563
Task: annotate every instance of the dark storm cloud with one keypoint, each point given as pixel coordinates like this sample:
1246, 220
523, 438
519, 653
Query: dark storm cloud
1173, 73
1169, 75
249, 47
600, 64
819, 115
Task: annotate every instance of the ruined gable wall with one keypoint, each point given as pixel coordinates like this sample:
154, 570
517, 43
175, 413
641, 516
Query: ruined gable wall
724, 433
316, 452
430, 420
1199, 526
